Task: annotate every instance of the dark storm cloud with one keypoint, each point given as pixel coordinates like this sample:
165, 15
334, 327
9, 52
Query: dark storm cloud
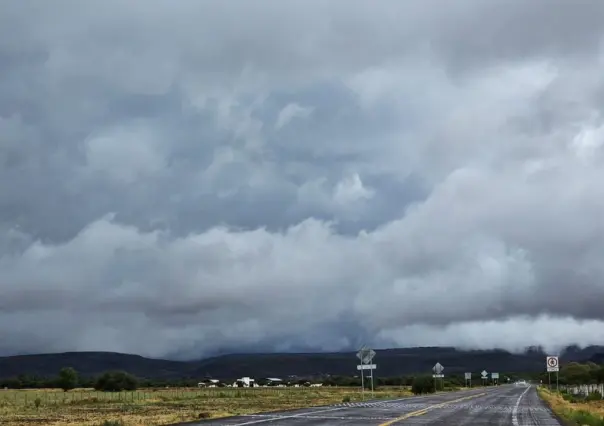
198, 177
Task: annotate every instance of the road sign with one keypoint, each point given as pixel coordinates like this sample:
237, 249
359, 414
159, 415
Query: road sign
494, 375
366, 367
484, 374
438, 369
551, 362
468, 376
438, 376
365, 355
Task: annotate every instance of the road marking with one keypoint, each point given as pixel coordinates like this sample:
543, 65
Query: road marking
272, 419
425, 410
411, 407
253, 422
515, 409
307, 413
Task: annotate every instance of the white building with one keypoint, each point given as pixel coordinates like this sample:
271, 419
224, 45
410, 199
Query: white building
245, 382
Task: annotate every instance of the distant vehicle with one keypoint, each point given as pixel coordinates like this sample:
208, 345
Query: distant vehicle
521, 383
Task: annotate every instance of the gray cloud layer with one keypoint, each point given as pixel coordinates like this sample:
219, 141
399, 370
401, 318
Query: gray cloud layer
180, 178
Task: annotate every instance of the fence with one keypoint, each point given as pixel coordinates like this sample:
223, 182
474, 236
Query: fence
76, 396
583, 389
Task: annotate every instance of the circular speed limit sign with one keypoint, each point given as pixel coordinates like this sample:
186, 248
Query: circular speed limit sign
552, 361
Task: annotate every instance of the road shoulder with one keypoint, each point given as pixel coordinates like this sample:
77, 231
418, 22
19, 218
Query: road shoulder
564, 412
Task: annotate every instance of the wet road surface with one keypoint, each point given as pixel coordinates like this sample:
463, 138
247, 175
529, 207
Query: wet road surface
507, 405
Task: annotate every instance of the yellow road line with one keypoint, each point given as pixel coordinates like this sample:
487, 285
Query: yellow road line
425, 410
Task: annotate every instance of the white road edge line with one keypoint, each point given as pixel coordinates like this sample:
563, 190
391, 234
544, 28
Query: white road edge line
515, 409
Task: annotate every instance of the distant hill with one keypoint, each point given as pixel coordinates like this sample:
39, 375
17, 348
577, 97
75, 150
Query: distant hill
391, 362
597, 358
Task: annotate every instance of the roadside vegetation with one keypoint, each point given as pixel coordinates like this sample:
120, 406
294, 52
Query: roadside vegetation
587, 411
579, 402
87, 407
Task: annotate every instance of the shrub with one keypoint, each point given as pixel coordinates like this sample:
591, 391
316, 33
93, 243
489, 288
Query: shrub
422, 385
367, 384
116, 381
588, 419
112, 423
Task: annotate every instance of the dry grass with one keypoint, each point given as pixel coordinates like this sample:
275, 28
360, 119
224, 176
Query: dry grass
85, 407
589, 413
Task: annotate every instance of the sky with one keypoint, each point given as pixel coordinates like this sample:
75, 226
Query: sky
180, 179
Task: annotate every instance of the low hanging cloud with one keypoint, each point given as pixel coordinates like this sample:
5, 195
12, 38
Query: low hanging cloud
189, 179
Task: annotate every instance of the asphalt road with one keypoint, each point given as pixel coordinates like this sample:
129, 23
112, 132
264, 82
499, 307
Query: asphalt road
504, 406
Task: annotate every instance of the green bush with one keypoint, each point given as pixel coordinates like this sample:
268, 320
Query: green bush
116, 381
423, 385
112, 423
568, 397
592, 396
585, 418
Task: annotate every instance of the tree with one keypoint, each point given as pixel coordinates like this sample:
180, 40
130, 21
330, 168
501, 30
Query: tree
574, 373
68, 379
116, 381
599, 375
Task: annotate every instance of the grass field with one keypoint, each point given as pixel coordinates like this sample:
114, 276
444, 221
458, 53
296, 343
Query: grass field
589, 413
160, 407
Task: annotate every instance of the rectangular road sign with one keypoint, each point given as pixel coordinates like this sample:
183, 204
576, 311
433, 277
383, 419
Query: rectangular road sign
468, 376
366, 367
551, 363
438, 376
494, 375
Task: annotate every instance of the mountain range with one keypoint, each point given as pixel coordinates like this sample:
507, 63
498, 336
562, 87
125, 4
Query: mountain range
390, 362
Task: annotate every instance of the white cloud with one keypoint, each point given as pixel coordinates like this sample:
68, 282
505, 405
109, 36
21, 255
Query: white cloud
125, 155
291, 111
542, 331
351, 189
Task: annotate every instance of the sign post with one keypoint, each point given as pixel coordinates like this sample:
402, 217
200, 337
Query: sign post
438, 373
484, 377
495, 378
552, 365
373, 365
365, 355
468, 379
